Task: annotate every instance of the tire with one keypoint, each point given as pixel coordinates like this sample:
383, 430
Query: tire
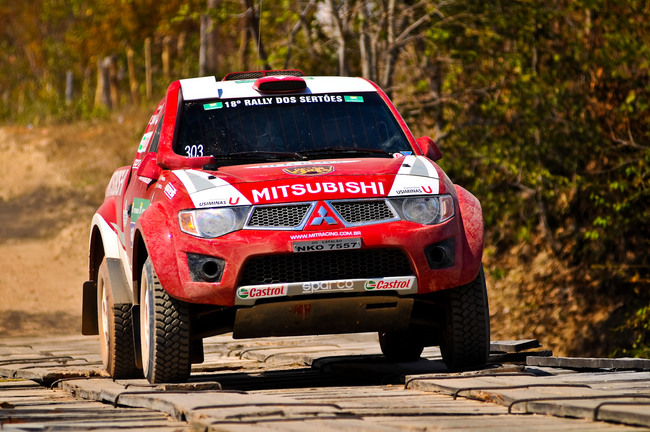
466, 335
115, 326
164, 332
400, 346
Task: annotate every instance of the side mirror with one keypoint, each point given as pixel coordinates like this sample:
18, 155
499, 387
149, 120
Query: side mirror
429, 148
149, 167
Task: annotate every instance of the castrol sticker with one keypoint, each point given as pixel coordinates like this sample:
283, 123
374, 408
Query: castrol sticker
262, 291
388, 284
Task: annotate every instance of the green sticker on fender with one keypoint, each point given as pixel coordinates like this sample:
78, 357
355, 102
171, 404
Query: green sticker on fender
139, 206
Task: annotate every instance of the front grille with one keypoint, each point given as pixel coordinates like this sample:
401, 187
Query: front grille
278, 216
363, 211
317, 266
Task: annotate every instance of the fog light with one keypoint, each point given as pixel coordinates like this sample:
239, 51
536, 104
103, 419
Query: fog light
440, 255
205, 268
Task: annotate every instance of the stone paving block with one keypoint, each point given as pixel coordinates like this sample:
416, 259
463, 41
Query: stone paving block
514, 346
571, 395
325, 424
27, 406
591, 363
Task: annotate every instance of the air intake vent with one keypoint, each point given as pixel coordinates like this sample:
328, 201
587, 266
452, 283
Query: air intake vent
289, 216
261, 74
283, 84
366, 211
318, 266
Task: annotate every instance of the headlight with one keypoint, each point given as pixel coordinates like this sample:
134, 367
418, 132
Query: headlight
211, 223
427, 210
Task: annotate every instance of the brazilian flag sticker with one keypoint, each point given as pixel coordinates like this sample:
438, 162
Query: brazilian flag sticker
353, 98
211, 106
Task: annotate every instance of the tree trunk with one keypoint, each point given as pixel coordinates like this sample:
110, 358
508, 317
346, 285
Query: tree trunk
166, 57
133, 83
147, 67
340, 38
103, 92
114, 94
69, 90
253, 25
365, 49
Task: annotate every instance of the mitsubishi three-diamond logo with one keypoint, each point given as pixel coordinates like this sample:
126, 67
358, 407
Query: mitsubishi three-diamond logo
323, 217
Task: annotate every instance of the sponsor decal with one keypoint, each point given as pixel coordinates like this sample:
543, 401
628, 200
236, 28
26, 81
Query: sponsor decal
154, 119
255, 292
232, 201
405, 184
354, 98
144, 142
316, 235
214, 203
170, 191
139, 206
212, 106
339, 285
117, 183
299, 189
320, 98
419, 190
309, 170
395, 284
280, 100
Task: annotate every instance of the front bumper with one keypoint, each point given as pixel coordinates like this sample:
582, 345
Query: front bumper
249, 256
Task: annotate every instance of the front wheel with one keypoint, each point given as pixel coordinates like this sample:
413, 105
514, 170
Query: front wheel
466, 336
115, 330
164, 331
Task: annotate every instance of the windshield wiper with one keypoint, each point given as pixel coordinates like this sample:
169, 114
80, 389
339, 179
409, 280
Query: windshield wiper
343, 151
257, 155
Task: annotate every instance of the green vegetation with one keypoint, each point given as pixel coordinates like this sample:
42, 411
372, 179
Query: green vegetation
540, 108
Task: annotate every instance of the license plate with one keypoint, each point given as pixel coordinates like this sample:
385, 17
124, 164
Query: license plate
327, 245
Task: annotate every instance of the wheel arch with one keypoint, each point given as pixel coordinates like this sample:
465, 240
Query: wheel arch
89, 312
104, 243
471, 214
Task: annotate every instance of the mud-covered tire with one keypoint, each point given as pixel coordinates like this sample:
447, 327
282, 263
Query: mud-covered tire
164, 332
466, 336
400, 346
115, 326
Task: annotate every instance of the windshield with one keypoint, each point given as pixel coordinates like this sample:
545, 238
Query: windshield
290, 127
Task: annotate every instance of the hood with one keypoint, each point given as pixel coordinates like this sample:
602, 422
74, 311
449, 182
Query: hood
311, 181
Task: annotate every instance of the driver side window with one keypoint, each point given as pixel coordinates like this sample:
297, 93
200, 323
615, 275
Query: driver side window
156, 136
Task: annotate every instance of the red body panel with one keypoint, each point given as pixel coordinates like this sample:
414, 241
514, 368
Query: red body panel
144, 201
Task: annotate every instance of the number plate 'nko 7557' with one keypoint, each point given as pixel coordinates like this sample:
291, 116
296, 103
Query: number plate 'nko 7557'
327, 245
